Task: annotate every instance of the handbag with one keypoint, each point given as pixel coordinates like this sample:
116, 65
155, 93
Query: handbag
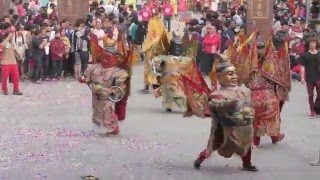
18, 56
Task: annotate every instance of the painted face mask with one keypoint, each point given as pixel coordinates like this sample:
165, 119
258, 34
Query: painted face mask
109, 60
228, 77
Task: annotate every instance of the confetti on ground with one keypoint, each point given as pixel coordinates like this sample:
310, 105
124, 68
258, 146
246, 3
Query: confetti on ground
59, 142
41, 177
38, 140
139, 145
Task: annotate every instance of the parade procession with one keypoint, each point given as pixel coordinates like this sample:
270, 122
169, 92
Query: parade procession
135, 89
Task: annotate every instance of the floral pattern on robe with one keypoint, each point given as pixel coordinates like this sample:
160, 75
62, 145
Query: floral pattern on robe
266, 105
103, 108
169, 69
232, 119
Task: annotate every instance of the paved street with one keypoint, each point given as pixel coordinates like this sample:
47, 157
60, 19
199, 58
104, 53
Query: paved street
47, 134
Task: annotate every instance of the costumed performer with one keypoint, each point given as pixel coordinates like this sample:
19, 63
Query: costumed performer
268, 79
156, 43
263, 84
103, 75
125, 61
117, 47
232, 119
168, 69
191, 40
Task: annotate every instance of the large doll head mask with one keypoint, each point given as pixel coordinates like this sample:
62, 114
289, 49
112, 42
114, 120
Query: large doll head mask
227, 75
108, 60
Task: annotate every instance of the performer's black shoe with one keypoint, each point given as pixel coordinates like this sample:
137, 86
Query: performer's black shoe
142, 56
250, 168
278, 139
96, 123
281, 137
145, 90
197, 164
200, 159
89, 178
168, 110
188, 114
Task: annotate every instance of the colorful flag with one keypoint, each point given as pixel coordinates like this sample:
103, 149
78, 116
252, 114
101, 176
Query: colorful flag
197, 97
195, 89
95, 48
121, 48
127, 65
284, 65
242, 62
214, 76
254, 64
193, 73
190, 46
270, 65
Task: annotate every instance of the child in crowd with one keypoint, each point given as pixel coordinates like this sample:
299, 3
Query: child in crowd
46, 59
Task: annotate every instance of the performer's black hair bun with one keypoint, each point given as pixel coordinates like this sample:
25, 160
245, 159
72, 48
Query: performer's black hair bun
223, 66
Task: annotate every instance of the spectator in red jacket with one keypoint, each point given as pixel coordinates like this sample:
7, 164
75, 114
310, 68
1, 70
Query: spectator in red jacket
41, 16
57, 48
211, 46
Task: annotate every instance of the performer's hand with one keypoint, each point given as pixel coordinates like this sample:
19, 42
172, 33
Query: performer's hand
109, 91
303, 81
112, 91
98, 89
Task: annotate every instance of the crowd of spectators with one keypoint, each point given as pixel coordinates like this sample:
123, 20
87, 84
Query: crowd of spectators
36, 45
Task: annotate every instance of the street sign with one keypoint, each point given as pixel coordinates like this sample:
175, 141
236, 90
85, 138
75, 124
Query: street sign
260, 17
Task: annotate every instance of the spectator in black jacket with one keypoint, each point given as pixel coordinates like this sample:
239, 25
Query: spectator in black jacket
140, 34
